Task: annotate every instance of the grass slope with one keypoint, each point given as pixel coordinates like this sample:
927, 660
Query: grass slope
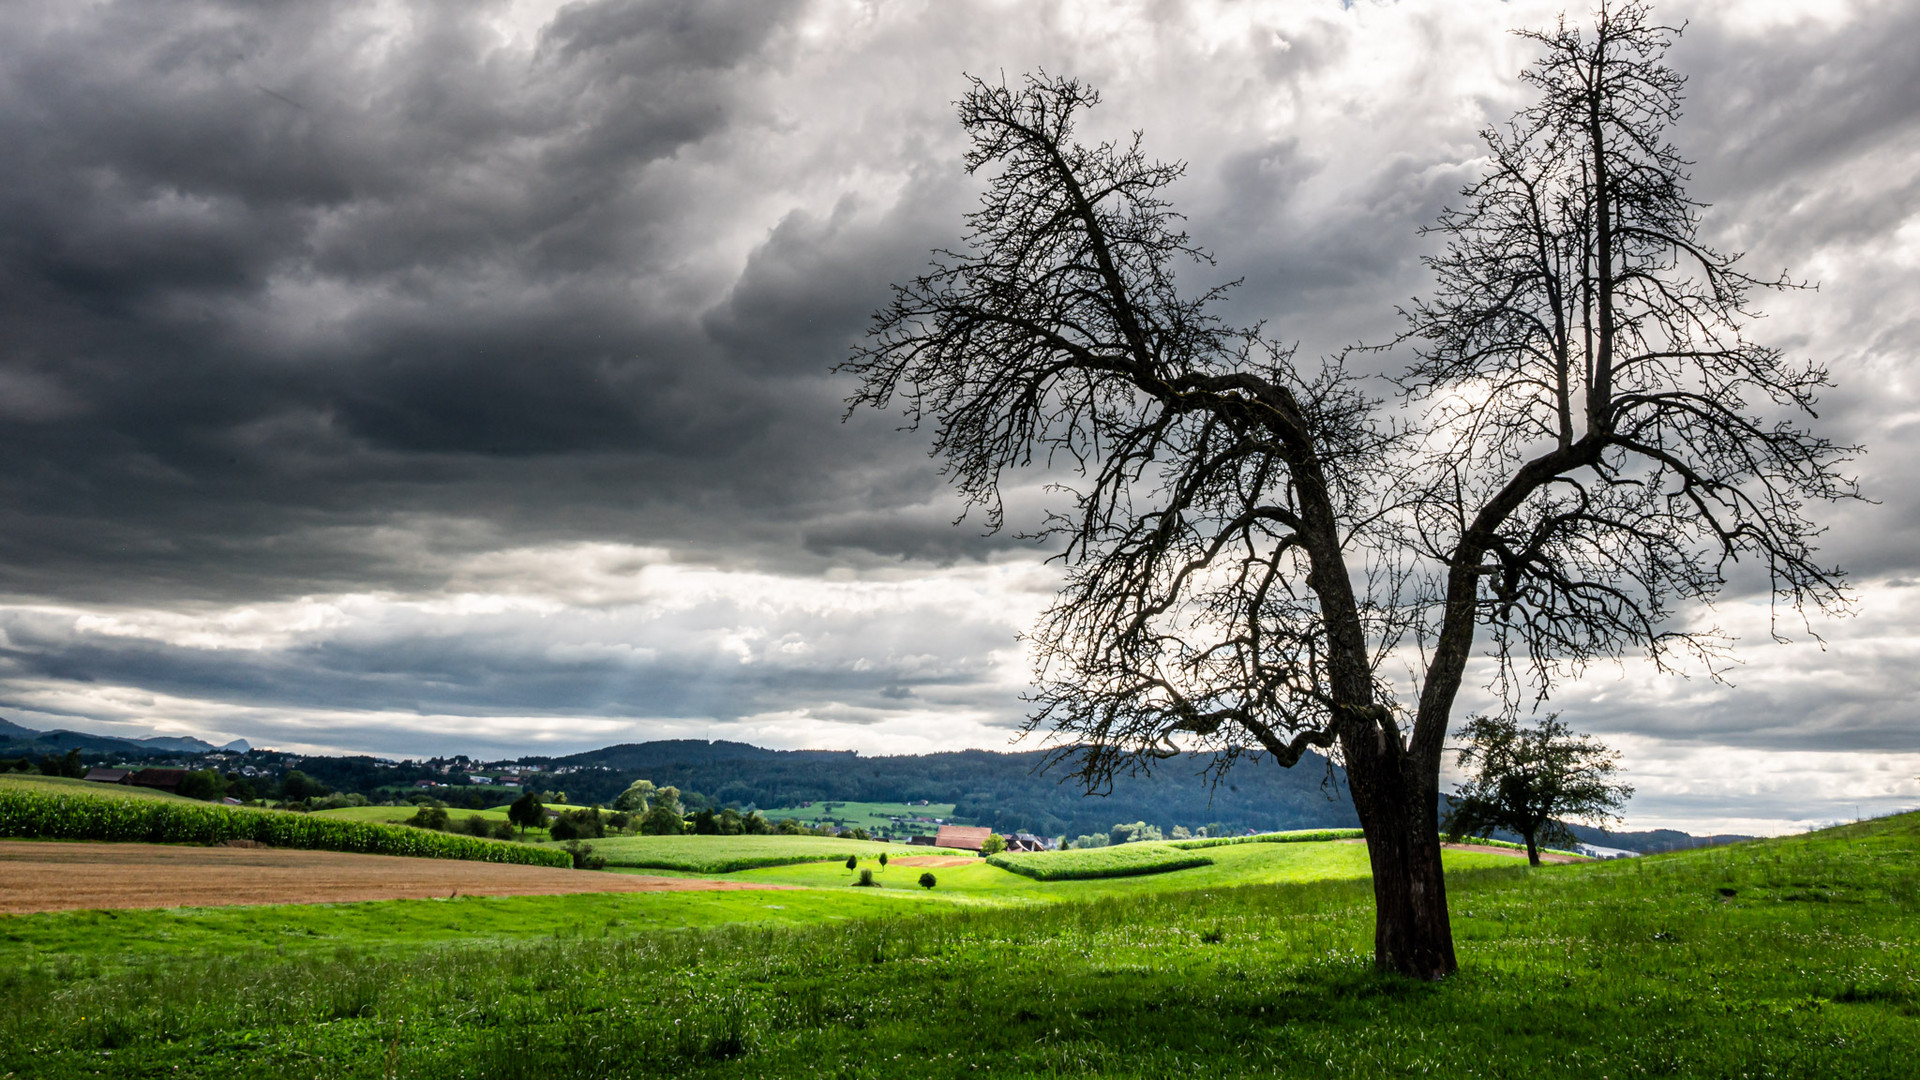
1790, 958
726, 854
1125, 860
63, 785
868, 815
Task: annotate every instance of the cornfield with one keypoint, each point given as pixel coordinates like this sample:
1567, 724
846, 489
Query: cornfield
36, 815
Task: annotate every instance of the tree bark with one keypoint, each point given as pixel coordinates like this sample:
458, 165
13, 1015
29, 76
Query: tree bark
1400, 814
1533, 848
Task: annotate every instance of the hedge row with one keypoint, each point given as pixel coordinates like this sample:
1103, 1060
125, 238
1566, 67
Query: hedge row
36, 815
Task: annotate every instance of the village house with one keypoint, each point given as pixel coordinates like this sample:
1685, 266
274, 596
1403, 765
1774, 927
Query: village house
100, 775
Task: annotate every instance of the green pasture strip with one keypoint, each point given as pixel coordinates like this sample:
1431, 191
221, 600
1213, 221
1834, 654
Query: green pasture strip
1509, 845
1124, 860
727, 854
108, 940
868, 815
979, 881
84, 816
1294, 836
391, 814
1784, 959
66, 785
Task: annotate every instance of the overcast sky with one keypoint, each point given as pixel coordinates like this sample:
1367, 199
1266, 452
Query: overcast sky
422, 378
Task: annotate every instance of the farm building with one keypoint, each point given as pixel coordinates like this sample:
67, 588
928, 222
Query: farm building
159, 779
108, 776
964, 837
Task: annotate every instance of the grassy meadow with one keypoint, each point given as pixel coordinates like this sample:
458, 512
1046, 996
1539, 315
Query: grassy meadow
64, 785
726, 854
1797, 957
866, 815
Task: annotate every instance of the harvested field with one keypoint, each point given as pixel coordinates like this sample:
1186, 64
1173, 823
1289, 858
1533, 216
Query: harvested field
37, 876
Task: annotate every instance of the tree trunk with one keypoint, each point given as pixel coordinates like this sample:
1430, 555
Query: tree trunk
1533, 848
1411, 933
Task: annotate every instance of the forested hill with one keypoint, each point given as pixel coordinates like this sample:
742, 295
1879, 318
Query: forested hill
1003, 790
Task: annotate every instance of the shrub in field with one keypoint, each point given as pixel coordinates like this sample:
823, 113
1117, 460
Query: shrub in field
578, 825
853, 861
475, 825
583, 856
883, 860
928, 881
205, 785
866, 878
429, 817
502, 830
36, 815
994, 844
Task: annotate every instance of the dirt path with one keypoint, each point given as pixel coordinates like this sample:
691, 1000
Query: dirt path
36, 876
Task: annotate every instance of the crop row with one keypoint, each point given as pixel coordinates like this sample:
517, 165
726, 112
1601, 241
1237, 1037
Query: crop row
36, 815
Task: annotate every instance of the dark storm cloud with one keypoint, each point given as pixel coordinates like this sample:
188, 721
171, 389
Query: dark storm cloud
349, 299
275, 272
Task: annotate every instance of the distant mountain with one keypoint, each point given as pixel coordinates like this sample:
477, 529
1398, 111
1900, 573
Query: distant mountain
15, 739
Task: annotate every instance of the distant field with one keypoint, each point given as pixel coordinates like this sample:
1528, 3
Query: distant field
1124, 860
867, 815
727, 854
61, 785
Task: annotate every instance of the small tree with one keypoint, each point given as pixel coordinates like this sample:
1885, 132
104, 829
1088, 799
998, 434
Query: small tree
663, 820
883, 860
994, 844
636, 799
852, 862
1528, 779
927, 880
527, 812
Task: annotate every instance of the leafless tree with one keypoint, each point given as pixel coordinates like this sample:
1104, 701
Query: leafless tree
1252, 544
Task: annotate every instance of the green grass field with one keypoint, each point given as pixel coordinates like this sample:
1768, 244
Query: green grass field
61, 785
866, 815
726, 854
1797, 957
1125, 860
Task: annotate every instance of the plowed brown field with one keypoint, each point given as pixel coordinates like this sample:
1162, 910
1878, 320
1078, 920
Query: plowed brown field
37, 876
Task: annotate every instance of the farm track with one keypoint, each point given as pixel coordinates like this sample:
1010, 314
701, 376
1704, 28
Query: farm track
52, 876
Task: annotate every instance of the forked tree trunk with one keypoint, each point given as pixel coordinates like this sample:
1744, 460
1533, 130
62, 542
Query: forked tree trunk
1411, 933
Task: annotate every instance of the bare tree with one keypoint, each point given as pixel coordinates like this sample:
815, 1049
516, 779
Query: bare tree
1250, 546
1530, 779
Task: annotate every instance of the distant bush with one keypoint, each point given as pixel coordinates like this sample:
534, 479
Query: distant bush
429, 817
853, 861
1133, 833
583, 856
866, 878
578, 825
994, 844
475, 825
36, 815
928, 881
883, 860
